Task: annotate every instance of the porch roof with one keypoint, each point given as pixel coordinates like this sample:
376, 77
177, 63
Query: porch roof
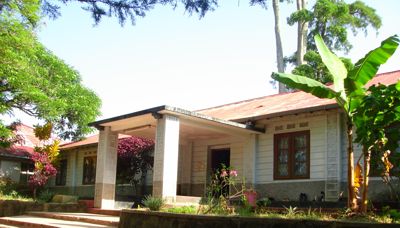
193, 124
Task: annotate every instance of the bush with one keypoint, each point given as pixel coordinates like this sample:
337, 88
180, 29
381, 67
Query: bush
7, 186
183, 210
263, 202
153, 203
45, 196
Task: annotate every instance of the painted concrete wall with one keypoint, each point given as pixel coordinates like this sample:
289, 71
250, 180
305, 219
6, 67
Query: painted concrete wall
10, 169
317, 124
201, 158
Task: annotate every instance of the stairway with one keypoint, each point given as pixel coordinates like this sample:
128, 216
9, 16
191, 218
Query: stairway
60, 219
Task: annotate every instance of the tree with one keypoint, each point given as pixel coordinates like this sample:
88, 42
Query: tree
348, 90
35, 81
377, 118
134, 160
331, 19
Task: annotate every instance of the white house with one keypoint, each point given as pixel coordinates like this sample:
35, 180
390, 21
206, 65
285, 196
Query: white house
282, 145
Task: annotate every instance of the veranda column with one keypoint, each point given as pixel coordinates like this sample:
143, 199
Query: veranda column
166, 158
106, 169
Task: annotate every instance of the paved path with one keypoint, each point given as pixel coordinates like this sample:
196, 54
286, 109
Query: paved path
59, 219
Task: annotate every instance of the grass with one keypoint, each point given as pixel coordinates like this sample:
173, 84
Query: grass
14, 196
182, 210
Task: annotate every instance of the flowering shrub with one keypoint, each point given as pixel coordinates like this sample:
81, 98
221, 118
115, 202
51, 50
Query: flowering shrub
44, 157
134, 159
224, 186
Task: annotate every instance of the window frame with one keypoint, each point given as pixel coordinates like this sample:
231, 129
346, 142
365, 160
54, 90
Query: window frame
291, 136
84, 172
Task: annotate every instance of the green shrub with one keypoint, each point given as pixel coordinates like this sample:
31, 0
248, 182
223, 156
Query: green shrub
183, 210
7, 186
45, 196
153, 203
263, 202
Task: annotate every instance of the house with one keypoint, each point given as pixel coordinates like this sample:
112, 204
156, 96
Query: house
77, 171
15, 162
281, 145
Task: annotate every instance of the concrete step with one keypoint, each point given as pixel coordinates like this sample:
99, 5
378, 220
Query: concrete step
112, 212
81, 217
38, 222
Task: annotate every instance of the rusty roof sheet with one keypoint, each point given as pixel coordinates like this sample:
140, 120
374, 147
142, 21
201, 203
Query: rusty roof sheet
284, 103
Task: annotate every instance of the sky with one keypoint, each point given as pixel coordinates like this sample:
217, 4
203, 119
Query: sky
172, 58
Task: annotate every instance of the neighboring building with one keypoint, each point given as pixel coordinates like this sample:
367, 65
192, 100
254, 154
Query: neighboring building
15, 162
283, 145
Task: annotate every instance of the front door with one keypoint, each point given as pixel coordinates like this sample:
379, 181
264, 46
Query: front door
220, 158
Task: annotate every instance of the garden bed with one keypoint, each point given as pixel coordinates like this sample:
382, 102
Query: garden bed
17, 207
140, 218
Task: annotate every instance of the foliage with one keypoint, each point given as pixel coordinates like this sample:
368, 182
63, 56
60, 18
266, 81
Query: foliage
35, 81
224, 186
7, 185
378, 115
331, 19
134, 159
183, 210
377, 118
45, 196
391, 213
263, 202
153, 203
291, 212
348, 89
44, 158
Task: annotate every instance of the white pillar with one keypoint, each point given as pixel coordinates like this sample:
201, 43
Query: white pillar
166, 158
106, 169
249, 160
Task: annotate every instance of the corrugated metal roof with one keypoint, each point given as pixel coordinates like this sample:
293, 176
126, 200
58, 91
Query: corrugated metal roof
281, 104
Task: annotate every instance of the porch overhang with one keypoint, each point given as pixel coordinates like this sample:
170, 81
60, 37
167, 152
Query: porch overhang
193, 125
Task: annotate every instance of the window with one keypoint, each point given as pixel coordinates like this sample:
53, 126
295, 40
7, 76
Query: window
89, 170
61, 177
26, 171
292, 155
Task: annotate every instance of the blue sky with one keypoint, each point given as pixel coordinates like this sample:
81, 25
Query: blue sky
170, 57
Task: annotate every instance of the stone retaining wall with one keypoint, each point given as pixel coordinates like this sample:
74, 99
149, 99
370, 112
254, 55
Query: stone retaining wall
146, 219
15, 207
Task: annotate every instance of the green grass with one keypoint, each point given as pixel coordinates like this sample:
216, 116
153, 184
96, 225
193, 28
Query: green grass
14, 196
182, 210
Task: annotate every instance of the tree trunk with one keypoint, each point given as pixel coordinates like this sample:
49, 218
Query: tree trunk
352, 200
278, 40
302, 29
367, 162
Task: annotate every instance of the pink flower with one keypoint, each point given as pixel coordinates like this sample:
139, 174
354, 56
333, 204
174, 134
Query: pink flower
224, 173
233, 173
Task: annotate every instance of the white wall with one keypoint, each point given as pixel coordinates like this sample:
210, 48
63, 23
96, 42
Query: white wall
315, 122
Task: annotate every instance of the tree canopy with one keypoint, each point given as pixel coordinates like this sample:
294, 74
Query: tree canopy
332, 19
37, 82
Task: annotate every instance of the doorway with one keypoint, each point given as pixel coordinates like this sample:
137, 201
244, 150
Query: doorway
220, 158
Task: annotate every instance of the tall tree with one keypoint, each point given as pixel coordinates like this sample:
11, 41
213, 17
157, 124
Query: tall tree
332, 19
302, 29
35, 81
278, 40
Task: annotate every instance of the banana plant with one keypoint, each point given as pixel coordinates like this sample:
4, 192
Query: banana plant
348, 90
